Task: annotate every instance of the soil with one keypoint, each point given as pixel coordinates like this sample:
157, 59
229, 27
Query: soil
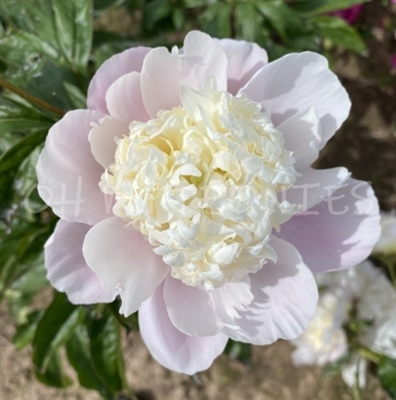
366, 144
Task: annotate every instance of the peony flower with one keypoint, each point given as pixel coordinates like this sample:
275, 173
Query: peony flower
367, 289
324, 341
387, 241
186, 188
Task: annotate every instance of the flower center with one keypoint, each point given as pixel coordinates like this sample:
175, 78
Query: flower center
201, 181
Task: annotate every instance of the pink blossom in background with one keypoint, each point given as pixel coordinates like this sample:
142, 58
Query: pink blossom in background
186, 188
350, 14
393, 62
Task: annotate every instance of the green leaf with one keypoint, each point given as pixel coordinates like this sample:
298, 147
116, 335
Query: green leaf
340, 33
282, 18
60, 30
106, 352
54, 329
45, 80
76, 96
25, 333
154, 11
53, 374
14, 244
35, 278
34, 16
79, 356
239, 351
178, 18
12, 160
102, 5
386, 371
216, 19
249, 21
316, 7
198, 3
73, 22
16, 117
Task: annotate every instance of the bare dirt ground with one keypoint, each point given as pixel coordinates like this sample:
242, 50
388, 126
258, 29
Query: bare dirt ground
366, 144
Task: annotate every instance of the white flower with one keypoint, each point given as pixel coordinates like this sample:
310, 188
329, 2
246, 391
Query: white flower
366, 289
324, 341
201, 182
387, 241
179, 190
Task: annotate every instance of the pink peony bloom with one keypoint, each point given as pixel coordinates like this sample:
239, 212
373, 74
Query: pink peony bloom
350, 14
186, 188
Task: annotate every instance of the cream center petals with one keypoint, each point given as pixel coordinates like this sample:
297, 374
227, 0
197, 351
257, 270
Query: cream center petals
201, 181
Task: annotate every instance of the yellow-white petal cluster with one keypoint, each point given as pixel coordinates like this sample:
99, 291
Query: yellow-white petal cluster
201, 181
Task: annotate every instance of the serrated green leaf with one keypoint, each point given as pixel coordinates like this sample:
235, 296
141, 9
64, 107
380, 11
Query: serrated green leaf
73, 22
340, 33
106, 352
54, 329
316, 7
24, 333
386, 371
79, 356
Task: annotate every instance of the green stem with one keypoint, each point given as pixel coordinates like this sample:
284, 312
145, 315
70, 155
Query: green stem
30, 98
390, 264
369, 354
356, 391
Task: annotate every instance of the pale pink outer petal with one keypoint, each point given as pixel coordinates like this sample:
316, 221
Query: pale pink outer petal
244, 60
230, 299
160, 81
103, 139
163, 72
120, 64
124, 99
68, 175
339, 232
172, 348
285, 298
314, 185
124, 261
67, 270
203, 58
301, 133
190, 308
296, 82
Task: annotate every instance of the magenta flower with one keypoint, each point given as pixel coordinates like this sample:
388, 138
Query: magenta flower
350, 14
186, 188
393, 62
